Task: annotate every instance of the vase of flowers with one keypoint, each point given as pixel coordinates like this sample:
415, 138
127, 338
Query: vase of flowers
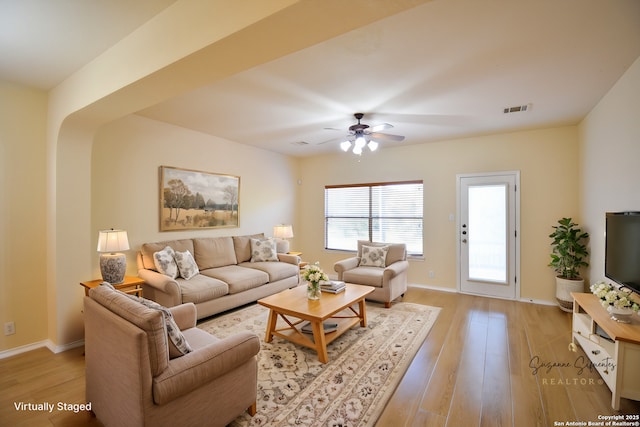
617, 301
313, 274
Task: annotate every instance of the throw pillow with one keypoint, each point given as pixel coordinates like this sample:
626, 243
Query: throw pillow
165, 262
263, 250
178, 345
186, 264
374, 256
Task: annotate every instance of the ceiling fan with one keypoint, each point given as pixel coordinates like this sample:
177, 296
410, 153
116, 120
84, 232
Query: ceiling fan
362, 135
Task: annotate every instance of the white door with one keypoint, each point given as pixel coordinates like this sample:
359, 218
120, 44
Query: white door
488, 248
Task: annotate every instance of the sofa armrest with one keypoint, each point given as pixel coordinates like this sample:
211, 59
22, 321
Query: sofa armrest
394, 269
291, 259
188, 372
185, 315
160, 288
344, 265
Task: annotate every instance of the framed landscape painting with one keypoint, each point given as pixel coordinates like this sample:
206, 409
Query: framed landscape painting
191, 199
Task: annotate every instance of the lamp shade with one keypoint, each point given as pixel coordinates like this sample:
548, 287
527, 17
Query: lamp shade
283, 231
112, 241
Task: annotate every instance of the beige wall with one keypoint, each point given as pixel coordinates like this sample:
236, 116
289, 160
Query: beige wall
23, 297
610, 137
125, 165
547, 160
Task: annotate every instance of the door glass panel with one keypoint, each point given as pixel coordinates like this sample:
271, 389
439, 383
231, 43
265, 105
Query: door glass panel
488, 233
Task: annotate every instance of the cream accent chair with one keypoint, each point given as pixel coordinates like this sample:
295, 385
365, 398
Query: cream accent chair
390, 282
132, 381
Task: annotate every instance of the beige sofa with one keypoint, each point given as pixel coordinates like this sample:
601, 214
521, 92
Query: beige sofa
389, 281
227, 278
134, 377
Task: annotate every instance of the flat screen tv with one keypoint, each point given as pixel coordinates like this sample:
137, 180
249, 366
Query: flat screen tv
622, 249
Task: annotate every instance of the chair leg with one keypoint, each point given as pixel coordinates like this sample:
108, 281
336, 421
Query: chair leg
387, 304
252, 409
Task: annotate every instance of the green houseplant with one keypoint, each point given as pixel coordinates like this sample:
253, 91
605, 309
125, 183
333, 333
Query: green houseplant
568, 256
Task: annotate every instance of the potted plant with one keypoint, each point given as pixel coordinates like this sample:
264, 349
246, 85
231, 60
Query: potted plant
568, 256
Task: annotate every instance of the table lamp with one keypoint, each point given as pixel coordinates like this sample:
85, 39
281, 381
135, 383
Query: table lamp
283, 232
113, 265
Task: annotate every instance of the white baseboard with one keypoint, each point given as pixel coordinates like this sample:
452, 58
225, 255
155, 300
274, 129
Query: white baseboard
455, 291
36, 345
433, 288
60, 348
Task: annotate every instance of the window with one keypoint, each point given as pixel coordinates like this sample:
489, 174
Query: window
383, 212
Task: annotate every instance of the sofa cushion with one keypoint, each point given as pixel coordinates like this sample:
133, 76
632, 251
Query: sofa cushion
371, 276
238, 278
275, 270
165, 262
374, 256
187, 266
150, 321
242, 246
212, 252
202, 288
263, 250
148, 249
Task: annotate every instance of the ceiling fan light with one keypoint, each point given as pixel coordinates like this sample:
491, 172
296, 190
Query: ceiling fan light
345, 145
357, 150
360, 142
373, 146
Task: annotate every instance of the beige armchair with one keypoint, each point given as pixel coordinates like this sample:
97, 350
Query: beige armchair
131, 379
389, 279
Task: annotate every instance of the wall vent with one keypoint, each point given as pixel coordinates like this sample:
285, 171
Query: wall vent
517, 109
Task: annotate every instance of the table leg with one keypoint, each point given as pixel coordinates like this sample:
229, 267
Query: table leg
320, 341
271, 325
363, 313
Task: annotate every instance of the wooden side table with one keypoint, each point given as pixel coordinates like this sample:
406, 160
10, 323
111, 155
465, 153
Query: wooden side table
131, 285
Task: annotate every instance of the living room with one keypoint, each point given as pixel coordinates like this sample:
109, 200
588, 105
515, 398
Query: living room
88, 162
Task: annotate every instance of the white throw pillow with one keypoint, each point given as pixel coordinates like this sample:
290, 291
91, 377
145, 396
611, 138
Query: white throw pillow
165, 262
186, 264
263, 250
374, 256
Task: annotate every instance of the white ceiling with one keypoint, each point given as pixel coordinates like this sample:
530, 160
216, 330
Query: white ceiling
442, 70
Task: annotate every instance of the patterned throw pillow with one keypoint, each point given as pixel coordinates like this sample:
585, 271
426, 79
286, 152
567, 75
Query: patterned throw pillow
165, 263
178, 345
186, 264
374, 256
263, 250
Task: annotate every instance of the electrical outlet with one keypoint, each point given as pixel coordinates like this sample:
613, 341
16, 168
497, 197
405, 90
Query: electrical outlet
9, 328
432, 274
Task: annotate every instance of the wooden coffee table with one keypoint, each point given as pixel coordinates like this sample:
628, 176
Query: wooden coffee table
338, 307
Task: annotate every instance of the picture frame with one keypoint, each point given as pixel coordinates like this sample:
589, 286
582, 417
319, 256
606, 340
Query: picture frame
192, 199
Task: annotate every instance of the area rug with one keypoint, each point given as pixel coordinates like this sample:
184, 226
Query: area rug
365, 366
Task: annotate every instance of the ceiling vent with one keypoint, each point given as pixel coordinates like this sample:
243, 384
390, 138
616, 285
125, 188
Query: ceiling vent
517, 109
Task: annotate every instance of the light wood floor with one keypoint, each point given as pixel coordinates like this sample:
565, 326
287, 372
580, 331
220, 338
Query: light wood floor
472, 370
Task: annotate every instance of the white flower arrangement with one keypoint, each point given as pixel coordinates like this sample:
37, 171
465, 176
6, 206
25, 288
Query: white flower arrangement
610, 296
314, 274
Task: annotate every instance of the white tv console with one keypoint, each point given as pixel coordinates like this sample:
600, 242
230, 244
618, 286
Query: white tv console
618, 359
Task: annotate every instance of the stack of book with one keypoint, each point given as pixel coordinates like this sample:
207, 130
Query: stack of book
332, 286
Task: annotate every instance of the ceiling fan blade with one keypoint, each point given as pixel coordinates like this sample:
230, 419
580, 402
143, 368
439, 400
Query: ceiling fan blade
381, 126
386, 137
